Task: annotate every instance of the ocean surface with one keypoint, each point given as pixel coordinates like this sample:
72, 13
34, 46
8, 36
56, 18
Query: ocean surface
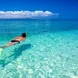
49, 51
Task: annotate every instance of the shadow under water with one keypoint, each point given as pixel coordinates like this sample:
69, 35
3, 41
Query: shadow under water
17, 52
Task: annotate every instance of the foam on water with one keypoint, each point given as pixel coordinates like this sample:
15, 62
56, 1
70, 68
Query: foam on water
49, 55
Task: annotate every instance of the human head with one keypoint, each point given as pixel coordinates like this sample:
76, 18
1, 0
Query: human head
23, 34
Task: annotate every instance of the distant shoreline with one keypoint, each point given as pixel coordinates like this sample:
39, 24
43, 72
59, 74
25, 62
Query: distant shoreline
44, 19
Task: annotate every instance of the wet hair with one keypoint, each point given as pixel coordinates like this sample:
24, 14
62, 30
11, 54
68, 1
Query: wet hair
23, 34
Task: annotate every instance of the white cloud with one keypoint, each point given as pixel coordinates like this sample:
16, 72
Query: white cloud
25, 14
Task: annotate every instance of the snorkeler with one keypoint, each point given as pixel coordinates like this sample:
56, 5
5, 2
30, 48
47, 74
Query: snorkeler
15, 40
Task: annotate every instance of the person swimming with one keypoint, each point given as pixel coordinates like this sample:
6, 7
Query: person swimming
15, 40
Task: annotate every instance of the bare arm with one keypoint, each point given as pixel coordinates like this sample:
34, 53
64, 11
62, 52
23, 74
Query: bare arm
22, 39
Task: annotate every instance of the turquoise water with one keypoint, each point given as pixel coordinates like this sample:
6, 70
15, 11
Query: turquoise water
50, 50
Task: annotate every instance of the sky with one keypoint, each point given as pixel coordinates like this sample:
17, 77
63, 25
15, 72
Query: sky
55, 9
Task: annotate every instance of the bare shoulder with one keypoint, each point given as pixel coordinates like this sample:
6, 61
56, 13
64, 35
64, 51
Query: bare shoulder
18, 37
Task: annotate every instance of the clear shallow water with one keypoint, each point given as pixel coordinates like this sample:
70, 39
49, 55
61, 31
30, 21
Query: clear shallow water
50, 51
